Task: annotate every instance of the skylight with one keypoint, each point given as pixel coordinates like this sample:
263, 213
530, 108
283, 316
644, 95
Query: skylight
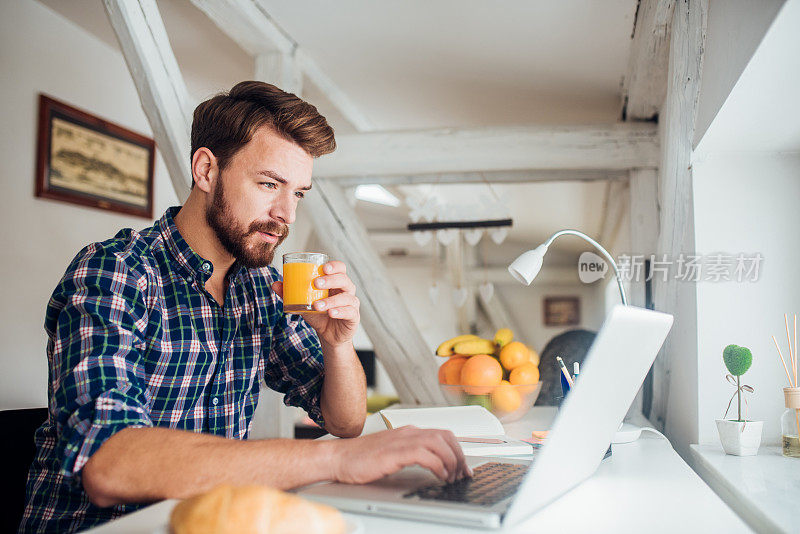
377, 194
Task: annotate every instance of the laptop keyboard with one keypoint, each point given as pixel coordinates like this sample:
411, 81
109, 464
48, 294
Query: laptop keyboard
490, 483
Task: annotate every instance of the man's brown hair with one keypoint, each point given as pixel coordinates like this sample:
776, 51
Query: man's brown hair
227, 121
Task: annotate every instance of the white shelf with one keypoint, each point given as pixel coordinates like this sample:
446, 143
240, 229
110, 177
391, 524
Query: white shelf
763, 489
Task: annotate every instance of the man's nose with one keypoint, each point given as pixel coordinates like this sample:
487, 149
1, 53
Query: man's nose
284, 208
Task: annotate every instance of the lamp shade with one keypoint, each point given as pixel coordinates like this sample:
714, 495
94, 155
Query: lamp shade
525, 268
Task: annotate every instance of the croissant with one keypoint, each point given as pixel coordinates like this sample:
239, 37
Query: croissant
253, 509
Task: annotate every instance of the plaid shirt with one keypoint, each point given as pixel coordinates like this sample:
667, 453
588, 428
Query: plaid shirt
135, 340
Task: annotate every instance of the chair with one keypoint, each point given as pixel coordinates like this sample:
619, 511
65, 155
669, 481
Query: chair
17, 428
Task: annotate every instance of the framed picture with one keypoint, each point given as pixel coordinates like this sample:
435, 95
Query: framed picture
89, 161
562, 311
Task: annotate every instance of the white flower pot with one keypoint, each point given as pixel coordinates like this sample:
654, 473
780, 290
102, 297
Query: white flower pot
740, 438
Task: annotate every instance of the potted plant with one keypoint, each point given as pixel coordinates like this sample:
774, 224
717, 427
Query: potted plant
739, 436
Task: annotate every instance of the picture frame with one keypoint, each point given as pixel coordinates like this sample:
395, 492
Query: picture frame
86, 160
562, 311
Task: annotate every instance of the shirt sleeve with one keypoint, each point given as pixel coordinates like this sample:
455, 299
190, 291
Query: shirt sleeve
295, 364
96, 321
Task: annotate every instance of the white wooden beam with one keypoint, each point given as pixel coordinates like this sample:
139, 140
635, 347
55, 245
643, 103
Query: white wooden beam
397, 341
281, 70
497, 177
614, 210
249, 24
158, 80
645, 85
644, 223
675, 370
346, 106
614, 147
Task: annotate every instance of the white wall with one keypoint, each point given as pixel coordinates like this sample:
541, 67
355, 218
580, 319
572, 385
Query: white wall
747, 192
437, 321
43, 52
527, 306
747, 203
734, 30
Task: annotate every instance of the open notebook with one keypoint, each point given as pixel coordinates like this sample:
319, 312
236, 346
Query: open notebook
478, 431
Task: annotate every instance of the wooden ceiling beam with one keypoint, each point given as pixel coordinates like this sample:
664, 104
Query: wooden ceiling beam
158, 80
248, 24
645, 84
463, 150
494, 177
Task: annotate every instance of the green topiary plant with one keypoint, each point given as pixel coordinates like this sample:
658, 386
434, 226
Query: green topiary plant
738, 360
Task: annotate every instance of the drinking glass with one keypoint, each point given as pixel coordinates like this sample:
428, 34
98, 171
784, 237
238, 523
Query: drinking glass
299, 271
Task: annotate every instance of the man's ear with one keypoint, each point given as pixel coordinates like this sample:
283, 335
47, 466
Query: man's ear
204, 169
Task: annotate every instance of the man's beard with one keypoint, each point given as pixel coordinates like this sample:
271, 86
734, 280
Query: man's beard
234, 237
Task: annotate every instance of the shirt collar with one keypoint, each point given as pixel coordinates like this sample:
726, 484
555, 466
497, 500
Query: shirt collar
190, 262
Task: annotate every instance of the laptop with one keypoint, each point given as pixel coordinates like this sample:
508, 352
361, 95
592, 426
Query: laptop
504, 491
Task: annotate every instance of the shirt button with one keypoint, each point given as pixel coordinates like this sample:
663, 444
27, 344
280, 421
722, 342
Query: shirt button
190, 280
215, 401
206, 267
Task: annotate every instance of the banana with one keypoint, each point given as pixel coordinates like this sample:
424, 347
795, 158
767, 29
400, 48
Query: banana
503, 337
446, 348
474, 346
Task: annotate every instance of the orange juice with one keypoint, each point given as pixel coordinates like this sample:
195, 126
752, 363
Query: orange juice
299, 292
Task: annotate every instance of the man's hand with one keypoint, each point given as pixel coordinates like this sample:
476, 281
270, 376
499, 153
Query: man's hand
368, 458
339, 322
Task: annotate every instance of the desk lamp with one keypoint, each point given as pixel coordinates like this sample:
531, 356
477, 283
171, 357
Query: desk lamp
527, 265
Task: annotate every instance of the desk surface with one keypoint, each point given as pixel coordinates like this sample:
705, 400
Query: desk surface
644, 486
764, 489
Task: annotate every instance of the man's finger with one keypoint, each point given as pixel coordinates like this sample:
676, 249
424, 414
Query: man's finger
334, 266
425, 458
277, 287
436, 443
337, 301
347, 313
463, 468
335, 281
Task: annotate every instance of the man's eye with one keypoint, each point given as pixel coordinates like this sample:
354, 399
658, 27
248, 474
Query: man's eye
272, 185
300, 194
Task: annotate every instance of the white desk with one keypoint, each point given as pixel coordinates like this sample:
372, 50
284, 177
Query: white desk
644, 487
764, 489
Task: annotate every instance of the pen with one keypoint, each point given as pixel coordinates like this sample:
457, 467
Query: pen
564, 370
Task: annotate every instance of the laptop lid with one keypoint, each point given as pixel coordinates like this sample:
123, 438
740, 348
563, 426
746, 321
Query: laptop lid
611, 375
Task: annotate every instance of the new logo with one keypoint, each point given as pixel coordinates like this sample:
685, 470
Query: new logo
591, 267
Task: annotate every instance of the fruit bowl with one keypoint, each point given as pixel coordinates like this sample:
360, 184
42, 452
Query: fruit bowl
507, 402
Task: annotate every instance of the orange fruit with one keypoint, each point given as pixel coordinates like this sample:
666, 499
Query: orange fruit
450, 371
534, 357
527, 373
480, 373
506, 398
514, 354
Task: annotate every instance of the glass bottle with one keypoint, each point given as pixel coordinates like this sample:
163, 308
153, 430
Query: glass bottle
790, 423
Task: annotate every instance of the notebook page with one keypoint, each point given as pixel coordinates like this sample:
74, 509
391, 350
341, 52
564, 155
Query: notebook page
461, 420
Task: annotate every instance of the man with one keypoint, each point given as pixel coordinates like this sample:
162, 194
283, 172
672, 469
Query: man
158, 340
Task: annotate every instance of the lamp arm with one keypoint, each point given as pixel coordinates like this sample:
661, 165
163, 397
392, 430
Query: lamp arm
600, 248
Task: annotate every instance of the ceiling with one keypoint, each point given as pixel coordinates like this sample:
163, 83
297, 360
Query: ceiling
762, 111
422, 64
